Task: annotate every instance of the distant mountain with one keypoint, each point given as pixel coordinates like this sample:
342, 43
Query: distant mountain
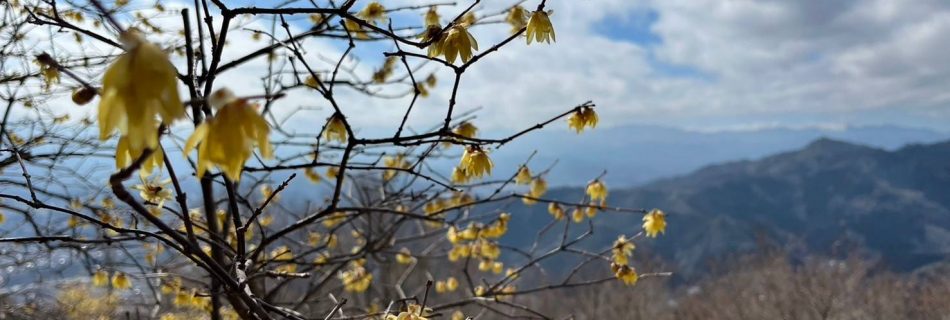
637, 154
831, 197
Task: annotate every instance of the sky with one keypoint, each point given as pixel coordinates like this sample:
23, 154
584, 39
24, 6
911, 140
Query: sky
708, 65
703, 65
695, 64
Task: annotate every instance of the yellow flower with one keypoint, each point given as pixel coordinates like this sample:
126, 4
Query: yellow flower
591, 211
431, 80
433, 35
356, 278
585, 117
654, 223
475, 162
556, 211
459, 176
312, 175
356, 29
399, 162
121, 281
335, 128
625, 273
316, 18
458, 315
2, 218
373, 12
597, 190
517, 18
100, 278
457, 42
578, 215
413, 312
385, 71
50, 74
622, 250
154, 191
523, 176
404, 256
432, 17
538, 187
332, 172
451, 284
540, 28
228, 139
124, 157
468, 19
139, 87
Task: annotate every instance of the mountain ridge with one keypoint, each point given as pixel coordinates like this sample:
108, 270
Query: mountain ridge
831, 197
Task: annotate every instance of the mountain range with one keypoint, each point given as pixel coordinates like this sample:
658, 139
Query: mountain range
637, 154
830, 197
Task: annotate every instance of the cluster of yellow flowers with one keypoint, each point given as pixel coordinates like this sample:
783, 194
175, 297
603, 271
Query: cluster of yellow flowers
625, 273
585, 117
456, 42
285, 257
413, 312
356, 278
447, 285
139, 87
228, 139
119, 281
373, 12
622, 250
478, 241
50, 74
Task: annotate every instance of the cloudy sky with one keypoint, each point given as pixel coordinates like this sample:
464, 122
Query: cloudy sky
698, 64
709, 64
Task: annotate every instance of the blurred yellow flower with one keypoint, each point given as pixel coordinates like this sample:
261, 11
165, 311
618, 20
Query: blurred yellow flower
121, 281
475, 162
373, 12
622, 250
458, 42
556, 211
154, 190
431, 17
654, 223
139, 87
583, 118
540, 28
228, 139
312, 175
404, 256
523, 176
625, 273
335, 128
100, 278
517, 18
355, 29
597, 190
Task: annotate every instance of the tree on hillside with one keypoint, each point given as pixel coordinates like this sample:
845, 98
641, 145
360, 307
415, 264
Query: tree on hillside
147, 161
